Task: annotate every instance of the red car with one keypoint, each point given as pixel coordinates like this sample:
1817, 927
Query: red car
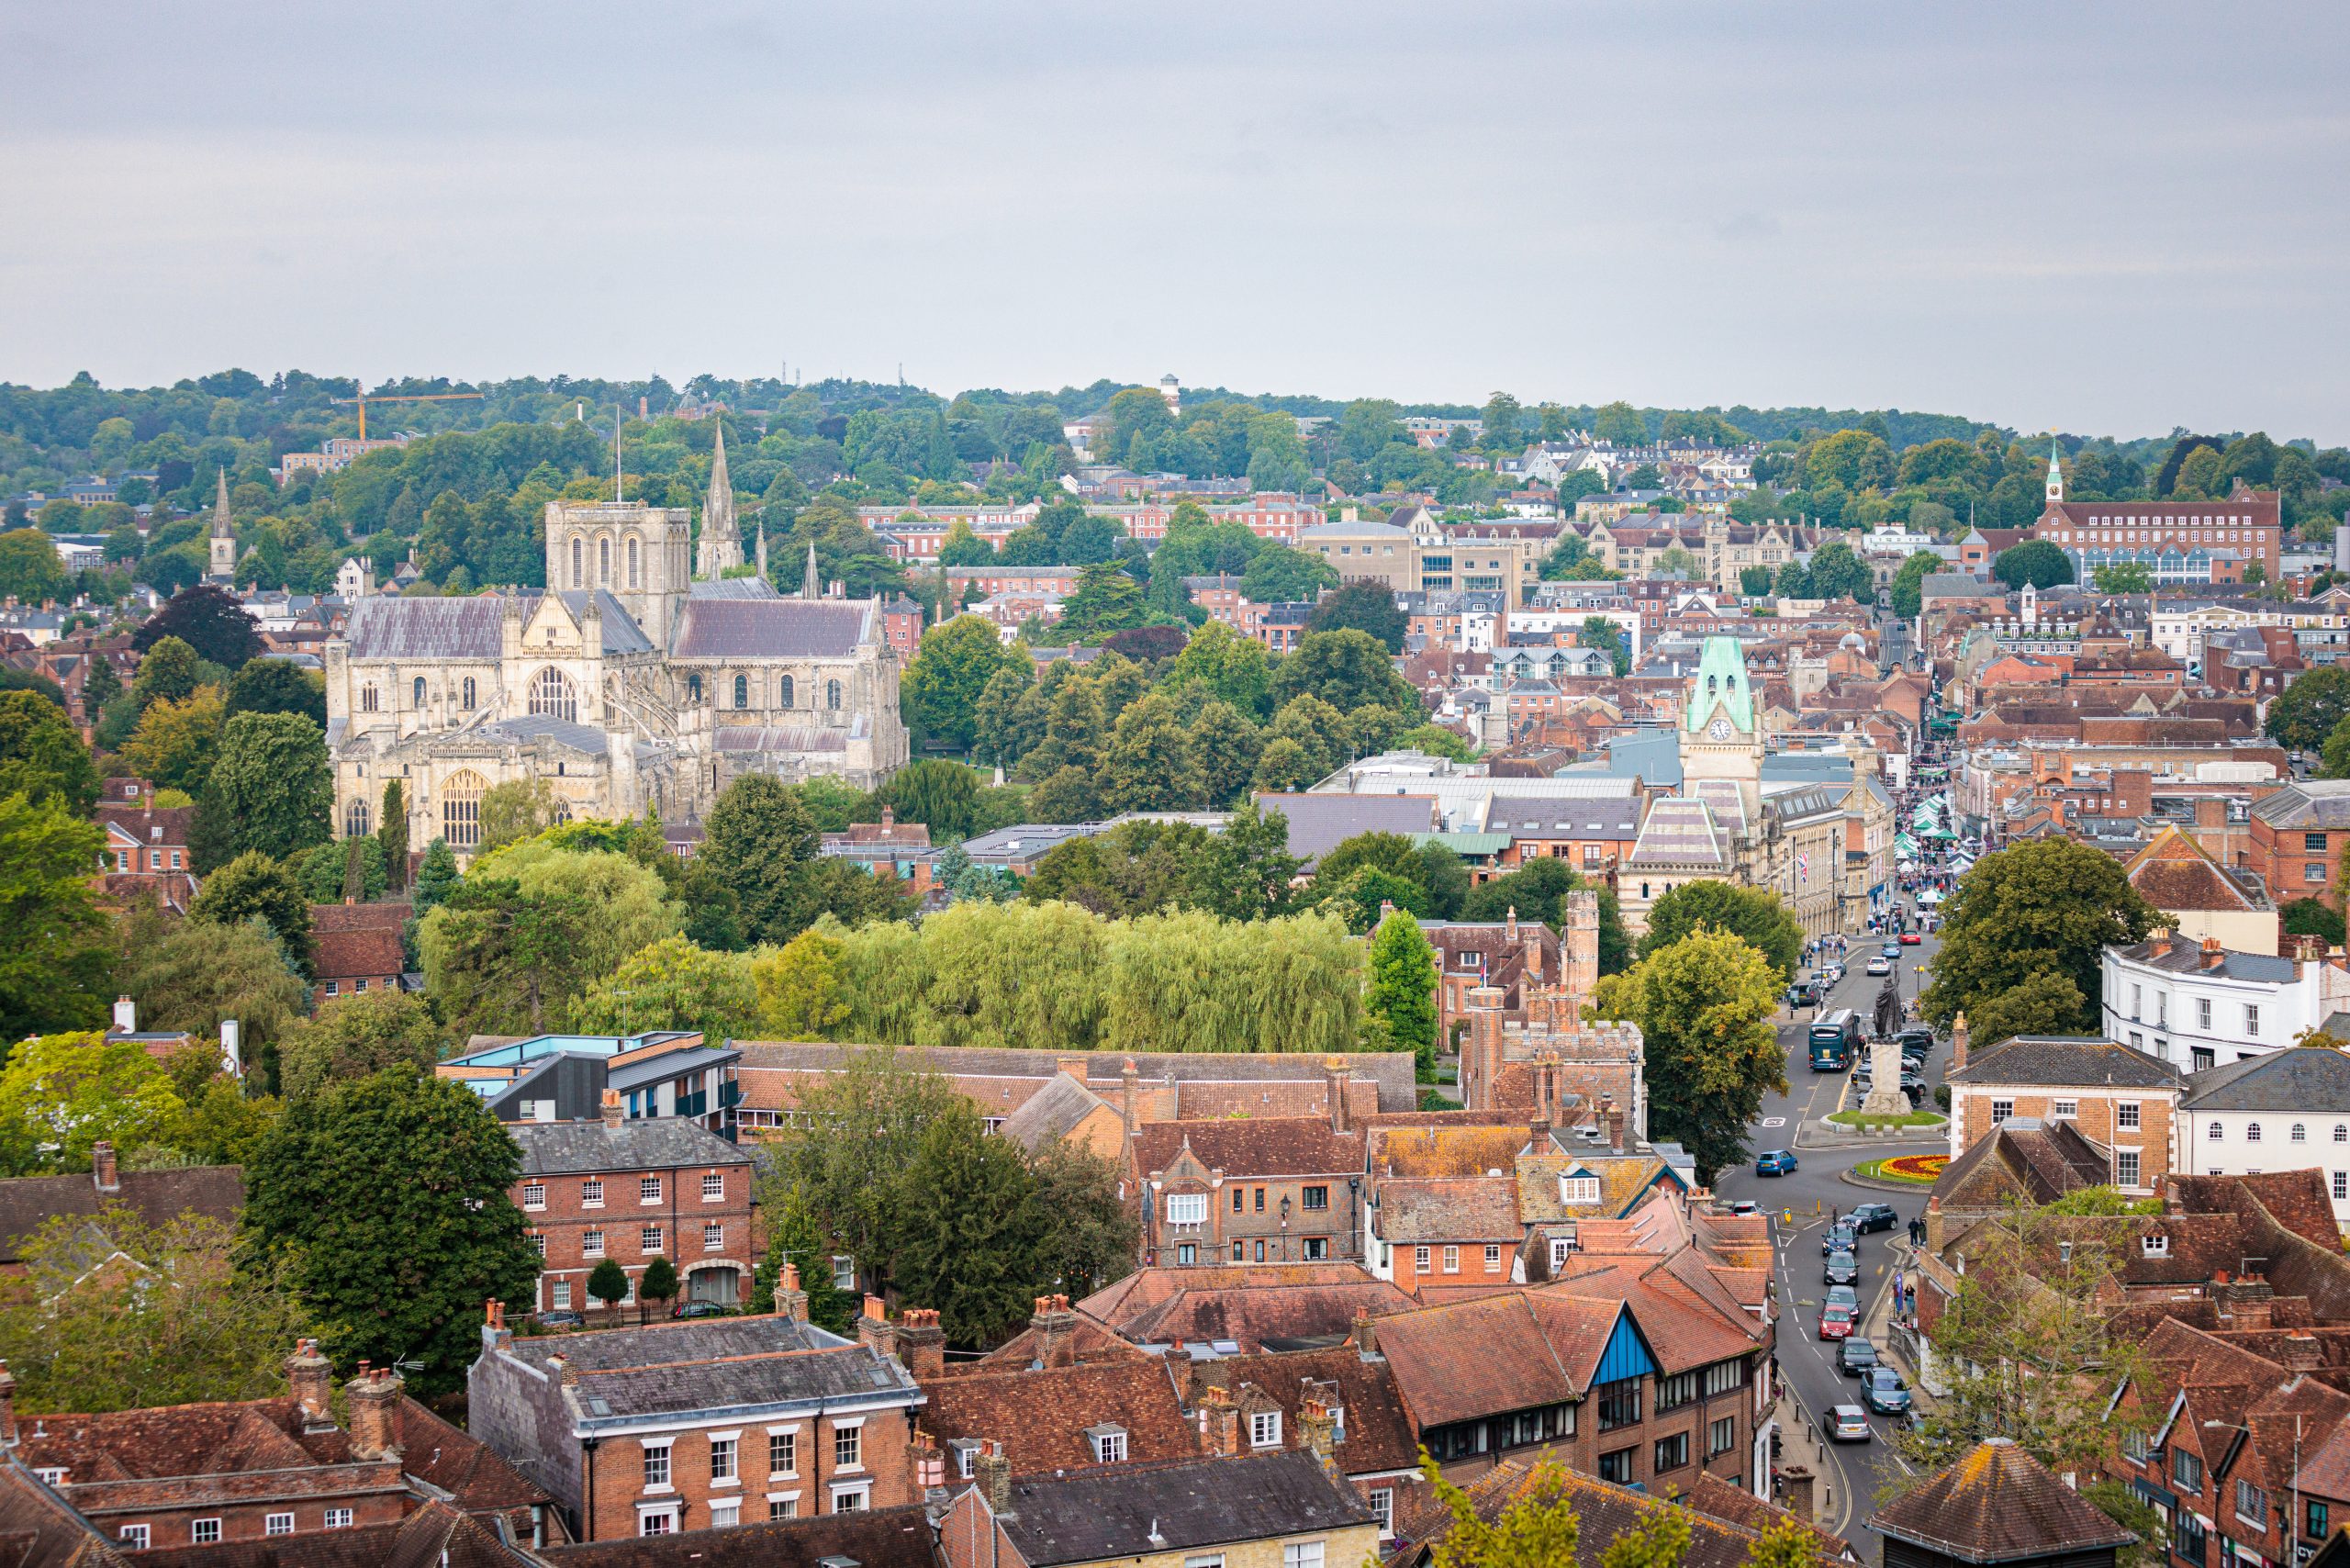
1910, 939
1835, 1323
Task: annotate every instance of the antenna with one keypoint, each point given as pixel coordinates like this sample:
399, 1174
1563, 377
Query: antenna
616, 454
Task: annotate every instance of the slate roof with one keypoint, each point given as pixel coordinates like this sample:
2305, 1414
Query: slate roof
525, 729
1679, 832
646, 1143
1448, 1208
1046, 1115
435, 1536
2066, 1060
1319, 823
386, 627
1242, 1302
622, 634
2311, 802
732, 587
2186, 957
2312, 1078
1041, 1413
1542, 816
716, 1363
781, 737
1251, 1145
1146, 1510
1997, 1505
216, 1192
771, 628
876, 1537
2021, 1155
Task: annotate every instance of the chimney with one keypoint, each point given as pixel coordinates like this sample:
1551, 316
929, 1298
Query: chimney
2301, 1351
1614, 1114
1219, 1423
1933, 1224
560, 1364
889, 819
2158, 942
1129, 1094
2213, 954
1072, 1066
1799, 1483
494, 1335
1056, 1328
1386, 908
1509, 931
104, 1174
374, 1401
1365, 1338
992, 1471
126, 1015
1318, 1429
1334, 1078
8, 1406
1958, 1042
873, 1330
921, 1344
2308, 949
309, 1376
612, 1115
790, 1301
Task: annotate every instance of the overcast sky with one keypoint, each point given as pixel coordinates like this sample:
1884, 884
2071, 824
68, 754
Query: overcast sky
2107, 220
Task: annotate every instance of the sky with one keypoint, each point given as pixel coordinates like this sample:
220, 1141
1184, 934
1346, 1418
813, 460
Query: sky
2105, 219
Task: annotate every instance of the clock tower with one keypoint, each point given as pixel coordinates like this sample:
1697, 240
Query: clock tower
1721, 736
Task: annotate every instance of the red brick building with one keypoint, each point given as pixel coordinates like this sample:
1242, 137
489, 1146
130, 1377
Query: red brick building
356, 948
1250, 1189
146, 848
2298, 834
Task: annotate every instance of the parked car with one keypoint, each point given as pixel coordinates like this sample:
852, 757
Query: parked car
1911, 939
1855, 1356
1837, 1322
1846, 1424
1883, 1391
1879, 964
1915, 1042
1892, 948
1841, 1269
1774, 1162
1844, 1296
699, 1309
1840, 1238
1866, 1217
1804, 993
562, 1320
1744, 1206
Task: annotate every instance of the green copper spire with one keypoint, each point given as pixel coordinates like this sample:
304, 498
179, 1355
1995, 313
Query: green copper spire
1721, 681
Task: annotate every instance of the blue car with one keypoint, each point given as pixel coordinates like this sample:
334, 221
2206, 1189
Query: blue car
1891, 949
1774, 1162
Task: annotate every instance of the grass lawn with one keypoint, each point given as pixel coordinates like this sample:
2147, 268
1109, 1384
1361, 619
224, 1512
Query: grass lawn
1908, 1119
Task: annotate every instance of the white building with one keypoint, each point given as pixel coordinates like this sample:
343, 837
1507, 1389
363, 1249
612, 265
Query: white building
2201, 1005
2284, 1111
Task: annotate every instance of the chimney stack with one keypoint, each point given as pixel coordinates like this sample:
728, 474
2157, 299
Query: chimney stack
921, 1344
1799, 1480
873, 1330
1614, 1114
992, 1471
8, 1406
2214, 955
1072, 1066
309, 1377
790, 1301
374, 1401
494, 1335
1958, 1042
1056, 1328
2158, 942
1219, 1423
126, 1015
1318, 1429
2301, 1351
1129, 1094
612, 1114
104, 1174
1365, 1338
1334, 1079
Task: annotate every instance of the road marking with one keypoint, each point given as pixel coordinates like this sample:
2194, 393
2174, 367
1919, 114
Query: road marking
1775, 1121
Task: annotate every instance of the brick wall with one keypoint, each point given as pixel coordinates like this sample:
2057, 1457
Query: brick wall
2097, 1113
802, 1474
570, 1221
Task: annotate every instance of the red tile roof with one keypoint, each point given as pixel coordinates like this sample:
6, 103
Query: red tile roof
1041, 1413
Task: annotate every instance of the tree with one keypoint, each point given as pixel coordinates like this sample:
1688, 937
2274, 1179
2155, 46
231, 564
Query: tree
1660, 1539
1362, 606
516, 810
1837, 573
2047, 1003
2035, 561
857, 1132
1852, 460
1435, 741
391, 833
2124, 576
1786, 1541
254, 887
2313, 917
532, 926
671, 985
2334, 760
274, 779
330, 872
759, 842
2050, 905
1347, 670
436, 875
1148, 765
60, 1094
192, 976
943, 686
795, 1236
607, 1282
100, 684
1909, 583
207, 618
970, 1228
943, 796
30, 571
1704, 1005
1248, 868
1600, 632
1403, 988
1754, 914
42, 757
1107, 599
1538, 1530
275, 686
186, 1325
1390, 852
1224, 745
658, 1283
2307, 713
1231, 666
357, 1036
1755, 582
1793, 581
799, 987
396, 1269
1537, 892
1091, 1236
168, 672
176, 742
1067, 796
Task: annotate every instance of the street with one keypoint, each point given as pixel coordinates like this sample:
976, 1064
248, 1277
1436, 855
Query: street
1802, 1204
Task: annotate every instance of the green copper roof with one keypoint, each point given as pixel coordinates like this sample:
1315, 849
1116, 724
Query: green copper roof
1720, 677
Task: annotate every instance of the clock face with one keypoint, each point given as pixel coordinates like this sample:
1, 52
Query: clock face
1719, 729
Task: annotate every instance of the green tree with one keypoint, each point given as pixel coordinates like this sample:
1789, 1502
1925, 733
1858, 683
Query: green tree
276, 685
1786, 1541
658, 1283
1403, 988
100, 686
795, 1236
1279, 575
671, 985
1538, 1530
2048, 1003
355, 1038
1224, 747
856, 1135
1909, 583
1754, 914
1435, 741
391, 833
1854, 460
760, 844
530, 928
1704, 1005
2308, 711
1363, 607
167, 673
30, 571
396, 1269
970, 1228
943, 796
1793, 581
1598, 632
60, 1095
516, 810
1621, 424
176, 741
435, 876
2048, 906
1149, 765
254, 887
1660, 1539
2124, 576
944, 685
187, 1326
353, 868
193, 975
1231, 666
2035, 561
1107, 599
1284, 766
207, 618
42, 757
1067, 795
607, 1282
799, 987
1348, 670
1755, 582
2313, 917
1537, 892
1248, 868
1837, 573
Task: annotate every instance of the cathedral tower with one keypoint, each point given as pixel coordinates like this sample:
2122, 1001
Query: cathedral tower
1721, 735
721, 538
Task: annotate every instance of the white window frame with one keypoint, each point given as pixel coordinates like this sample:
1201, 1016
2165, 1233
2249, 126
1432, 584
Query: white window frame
1382, 1509
668, 1464
1187, 1208
338, 1518
534, 1196
2126, 1115
2064, 1109
787, 1501
591, 1244
277, 1524
2127, 1169
853, 1428
1264, 1430
657, 1518
203, 1532
133, 1536
1302, 1553
1110, 1448
852, 1497
1452, 1258
791, 1434
726, 1458
648, 1189
730, 1507
591, 1193
713, 1187
1420, 1256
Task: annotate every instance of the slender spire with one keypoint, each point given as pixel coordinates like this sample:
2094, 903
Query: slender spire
221, 527
808, 585
721, 536
763, 550
2055, 470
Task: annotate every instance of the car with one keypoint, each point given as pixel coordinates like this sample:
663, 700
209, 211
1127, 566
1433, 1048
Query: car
1855, 1356
1892, 948
1844, 1296
698, 1309
562, 1320
1880, 965
1837, 1322
1745, 1207
1774, 1162
1846, 1424
1840, 1238
1883, 1391
1804, 993
1866, 1217
1841, 1269
1911, 939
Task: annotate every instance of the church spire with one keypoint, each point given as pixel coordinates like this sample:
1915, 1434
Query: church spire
222, 560
808, 588
221, 527
721, 537
763, 550
2055, 471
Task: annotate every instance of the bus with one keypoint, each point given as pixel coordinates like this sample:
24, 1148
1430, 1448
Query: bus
1834, 1037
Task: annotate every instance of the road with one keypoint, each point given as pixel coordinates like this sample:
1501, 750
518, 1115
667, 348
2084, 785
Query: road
1801, 1206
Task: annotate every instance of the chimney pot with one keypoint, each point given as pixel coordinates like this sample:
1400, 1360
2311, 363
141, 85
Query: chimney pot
309, 1377
126, 1015
612, 1113
103, 1175
374, 1398
790, 1301
993, 1473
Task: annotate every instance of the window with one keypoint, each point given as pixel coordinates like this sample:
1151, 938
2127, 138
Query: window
539, 1243
656, 1467
591, 1244
632, 582
591, 1193
1671, 1452
1240, 1253
133, 1537
416, 699
783, 1453
1723, 1377
575, 560
654, 1521
1301, 1555
356, 820
2314, 1526
2341, 1132
277, 1524
648, 1189
832, 695
2341, 1186
2187, 1470
1617, 1467
783, 1507
2203, 1011
1264, 1430
1619, 1403
721, 1515
741, 691
1239, 1200
2212, 1133
1420, 1260
1451, 1260
2252, 1503
2155, 1245
203, 1532
2250, 1132
466, 693
1260, 1251
1675, 1390
785, 698
2135, 1446
2064, 1109
2125, 1167
535, 1194
559, 1296
369, 702
1187, 1208
1260, 1200
713, 1236
852, 1500
1493, 1258
1314, 1197
2001, 1110
461, 808
552, 695
722, 1458
338, 1518
2313, 844
2251, 1019
649, 1238
1382, 1509
846, 1446
1317, 1248
2125, 1116
713, 1187
603, 563
2298, 1135
1721, 1436
1109, 1447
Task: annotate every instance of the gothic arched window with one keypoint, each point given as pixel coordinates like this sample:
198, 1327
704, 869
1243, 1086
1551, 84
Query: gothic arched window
786, 695
552, 695
693, 689
741, 691
631, 560
467, 689
603, 563
575, 560
368, 700
461, 808
417, 689
356, 820
832, 695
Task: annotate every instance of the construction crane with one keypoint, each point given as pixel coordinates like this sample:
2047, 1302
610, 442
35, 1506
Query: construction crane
367, 397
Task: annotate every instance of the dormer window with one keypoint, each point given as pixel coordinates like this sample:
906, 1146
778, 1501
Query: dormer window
1264, 1430
1579, 1188
2154, 1244
1109, 1443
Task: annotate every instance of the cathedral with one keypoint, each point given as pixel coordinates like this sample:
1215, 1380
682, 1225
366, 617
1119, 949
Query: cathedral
641, 679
